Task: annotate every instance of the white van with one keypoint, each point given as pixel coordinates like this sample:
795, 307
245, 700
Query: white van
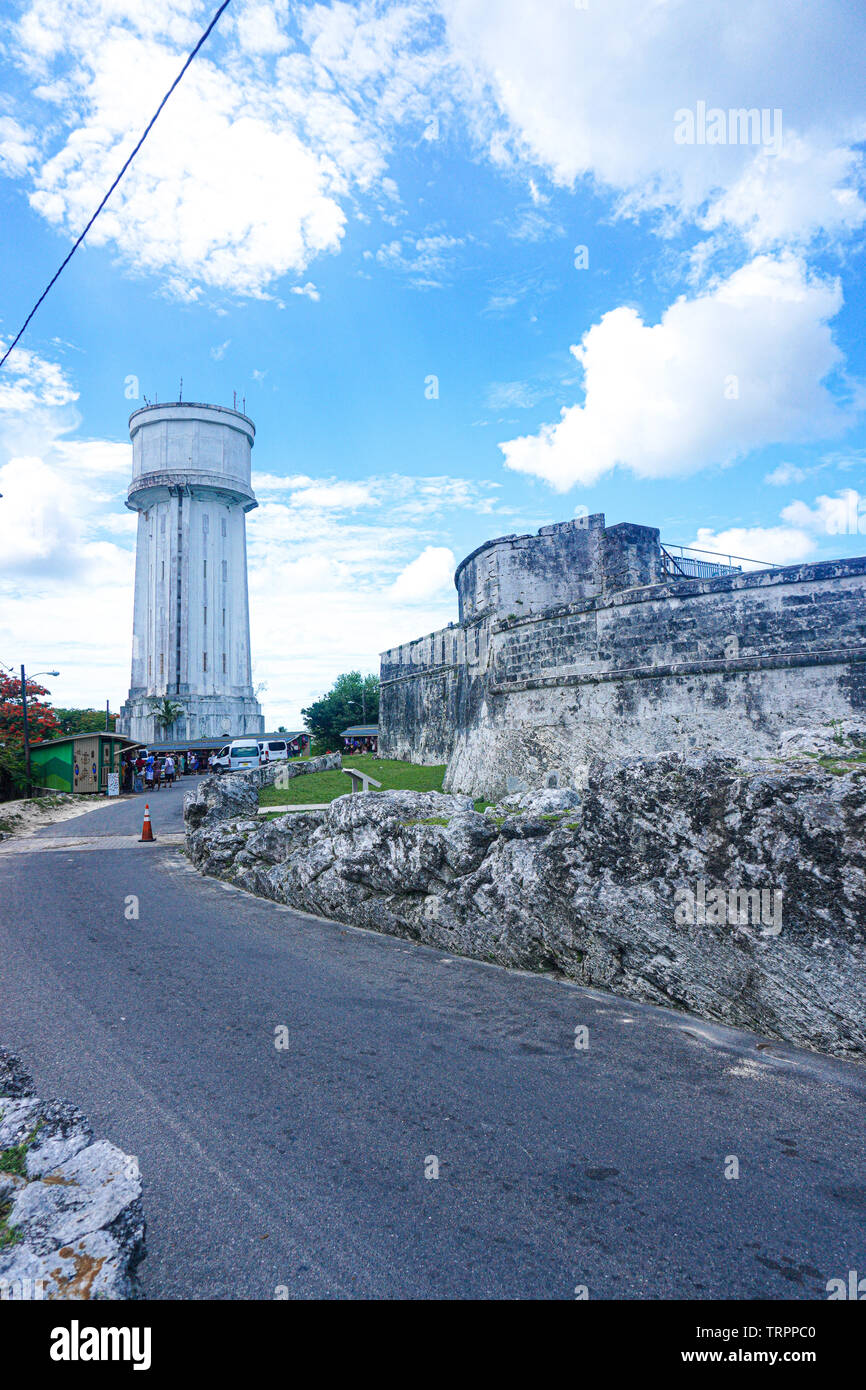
243, 753
277, 750
219, 762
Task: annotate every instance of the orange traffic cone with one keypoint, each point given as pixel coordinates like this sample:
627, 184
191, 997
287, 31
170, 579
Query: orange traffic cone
146, 829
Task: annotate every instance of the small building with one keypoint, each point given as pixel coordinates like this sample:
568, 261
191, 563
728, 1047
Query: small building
203, 747
77, 762
361, 738
297, 741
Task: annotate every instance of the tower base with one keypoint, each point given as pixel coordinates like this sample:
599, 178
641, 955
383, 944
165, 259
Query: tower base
204, 716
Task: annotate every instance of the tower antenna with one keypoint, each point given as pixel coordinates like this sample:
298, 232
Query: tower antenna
234, 400
180, 392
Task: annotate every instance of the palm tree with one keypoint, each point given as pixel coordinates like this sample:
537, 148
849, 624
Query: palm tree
166, 711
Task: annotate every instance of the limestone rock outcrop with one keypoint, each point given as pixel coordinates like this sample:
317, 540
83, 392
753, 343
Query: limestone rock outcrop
733, 889
217, 798
71, 1223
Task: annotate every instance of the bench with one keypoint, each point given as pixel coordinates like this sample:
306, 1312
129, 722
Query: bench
361, 781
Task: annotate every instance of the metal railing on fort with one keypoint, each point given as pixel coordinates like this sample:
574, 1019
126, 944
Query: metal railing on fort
684, 564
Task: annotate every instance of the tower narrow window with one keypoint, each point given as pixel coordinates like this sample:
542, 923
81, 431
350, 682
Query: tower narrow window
162, 576
204, 661
223, 525
205, 569
205, 615
224, 663
162, 663
224, 617
225, 570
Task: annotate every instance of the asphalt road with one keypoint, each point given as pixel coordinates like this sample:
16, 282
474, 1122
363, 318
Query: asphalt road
304, 1168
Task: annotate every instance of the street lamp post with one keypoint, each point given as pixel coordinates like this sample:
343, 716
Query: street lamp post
28, 788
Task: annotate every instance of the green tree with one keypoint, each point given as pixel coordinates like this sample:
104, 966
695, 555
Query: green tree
84, 721
353, 699
167, 711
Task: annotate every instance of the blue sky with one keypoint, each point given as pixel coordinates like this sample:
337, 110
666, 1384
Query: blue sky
342, 202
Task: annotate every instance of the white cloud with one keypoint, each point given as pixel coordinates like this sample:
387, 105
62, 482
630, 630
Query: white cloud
511, 395
29, 381
66, 558
737, 367
785, 474
259, 29
798, 539
248, 173
430, 574
219, 351
844, 514
276, 482
421, 500
428, 260
794, 196
18, 147
777, 545
592, 91
530, 225
288, 119
332, 496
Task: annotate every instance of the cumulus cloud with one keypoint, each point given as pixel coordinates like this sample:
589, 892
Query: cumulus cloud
842, 515
739, 366
18, 147
255, 167
29, 381
593, 91
66, 551
799, 538
248, 172
777, 545
794, 196
428, 575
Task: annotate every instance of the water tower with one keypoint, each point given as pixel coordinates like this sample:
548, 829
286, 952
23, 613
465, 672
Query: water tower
191, 625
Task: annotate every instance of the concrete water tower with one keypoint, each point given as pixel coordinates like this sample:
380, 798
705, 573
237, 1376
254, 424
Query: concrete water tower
191, 625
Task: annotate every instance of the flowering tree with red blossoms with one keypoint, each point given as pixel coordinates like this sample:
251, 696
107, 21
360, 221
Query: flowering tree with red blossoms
42, 723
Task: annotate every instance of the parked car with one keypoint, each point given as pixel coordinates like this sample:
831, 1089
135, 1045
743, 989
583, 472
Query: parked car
277, 750
219, 762
243, 753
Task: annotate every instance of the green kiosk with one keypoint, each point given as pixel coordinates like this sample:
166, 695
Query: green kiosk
77, 762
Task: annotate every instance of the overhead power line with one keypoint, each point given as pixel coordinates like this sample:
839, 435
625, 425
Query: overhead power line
151, 123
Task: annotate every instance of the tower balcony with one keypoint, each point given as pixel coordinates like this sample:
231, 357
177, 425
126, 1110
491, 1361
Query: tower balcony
148, 488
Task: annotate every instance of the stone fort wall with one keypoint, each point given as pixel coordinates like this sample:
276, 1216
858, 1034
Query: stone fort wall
525, 690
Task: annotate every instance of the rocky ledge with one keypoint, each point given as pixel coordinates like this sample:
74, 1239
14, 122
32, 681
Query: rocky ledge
736, 891
71, 1224
217, 799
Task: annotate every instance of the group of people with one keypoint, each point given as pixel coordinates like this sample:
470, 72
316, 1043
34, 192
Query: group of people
152, 771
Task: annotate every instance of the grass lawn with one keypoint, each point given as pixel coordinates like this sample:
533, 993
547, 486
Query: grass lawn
326, 786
